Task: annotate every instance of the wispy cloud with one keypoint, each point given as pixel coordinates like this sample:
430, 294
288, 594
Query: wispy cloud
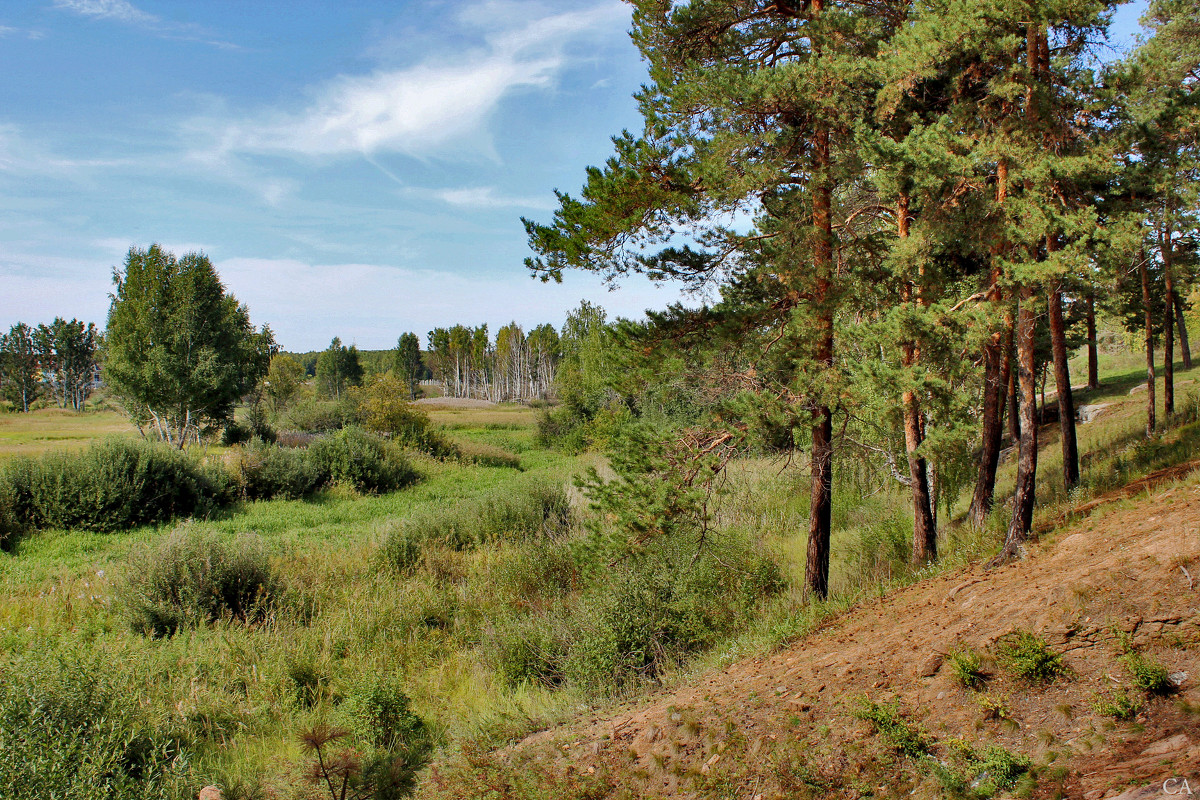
125, 12
118, 10
489, 197
436, 107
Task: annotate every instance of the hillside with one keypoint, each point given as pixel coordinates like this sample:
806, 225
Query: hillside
784, 725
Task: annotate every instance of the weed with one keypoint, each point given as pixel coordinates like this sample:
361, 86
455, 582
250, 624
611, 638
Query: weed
192, 578
1118, 704
1148, 674
993, 707
71, 727
966, 667
910, 740
1026, 656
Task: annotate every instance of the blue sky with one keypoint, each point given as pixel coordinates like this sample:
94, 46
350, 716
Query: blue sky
353, 168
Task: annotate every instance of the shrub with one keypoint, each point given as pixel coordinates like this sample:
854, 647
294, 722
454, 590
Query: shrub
993, 770
1148, 674
263, 471
235, 433
313, 415
362, 460
383, 407
487, 455
114, 484
966, 667
1118, 704
10, 525
887, 721
1027, 657
650, 612
535, 509
193, 578
70, 729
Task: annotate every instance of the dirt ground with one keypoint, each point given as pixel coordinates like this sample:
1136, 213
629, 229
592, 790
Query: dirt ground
783, 725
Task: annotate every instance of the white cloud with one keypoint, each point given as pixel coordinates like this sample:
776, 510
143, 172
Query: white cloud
435, 107
118, 10
125, 12
488, 197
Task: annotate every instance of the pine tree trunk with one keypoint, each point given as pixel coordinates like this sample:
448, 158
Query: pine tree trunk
1062, 386
1093, 348
985, 484
1026, 489
924, 525
1168, 331
1014, 402
1144, 273
1185, 349
993, 413
816, 573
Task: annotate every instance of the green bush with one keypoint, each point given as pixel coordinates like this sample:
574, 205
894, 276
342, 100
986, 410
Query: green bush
314, 415
264, 471
70, 728
650, 612
885, 718
10, 524
966, 667
362, 460
1118, 704
193, 578
535, 509
1148, 674
114, 484
1027, 657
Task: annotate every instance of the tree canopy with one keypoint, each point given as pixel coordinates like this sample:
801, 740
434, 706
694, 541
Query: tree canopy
179, 351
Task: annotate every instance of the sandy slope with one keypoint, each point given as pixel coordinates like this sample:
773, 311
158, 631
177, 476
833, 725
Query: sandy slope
782, 725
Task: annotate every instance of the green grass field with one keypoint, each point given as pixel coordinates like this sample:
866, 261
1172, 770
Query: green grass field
52, 428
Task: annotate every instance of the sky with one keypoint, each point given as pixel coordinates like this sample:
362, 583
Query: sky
353, 168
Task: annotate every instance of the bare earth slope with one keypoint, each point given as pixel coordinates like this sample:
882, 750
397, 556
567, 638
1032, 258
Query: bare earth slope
783, 725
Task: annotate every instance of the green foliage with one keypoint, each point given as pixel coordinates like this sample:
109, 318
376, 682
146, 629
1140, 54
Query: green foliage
314, 415
1026, 656
384, 407
1118, 704
11, 528
67, 357
406, 361
178, 350
72, 727
362, 460
981, 774
191, 579
1149, 675
652, 611
282, 383
20, 377
966, 667
263, 471
338, 369
115, 484
900, 735
534, 509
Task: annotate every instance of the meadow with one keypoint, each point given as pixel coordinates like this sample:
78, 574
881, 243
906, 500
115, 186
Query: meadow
444, 600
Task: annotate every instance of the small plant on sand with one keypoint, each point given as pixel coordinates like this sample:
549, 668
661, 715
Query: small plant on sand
1149, 675
1027, 657
905, 738
966, 666
993, 707
1119, 704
